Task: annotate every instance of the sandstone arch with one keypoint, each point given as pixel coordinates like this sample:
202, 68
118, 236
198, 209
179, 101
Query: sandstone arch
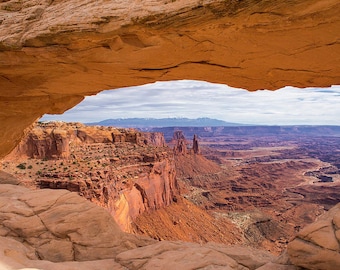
52, 53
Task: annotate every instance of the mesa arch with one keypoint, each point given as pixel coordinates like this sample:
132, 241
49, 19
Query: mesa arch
52, 53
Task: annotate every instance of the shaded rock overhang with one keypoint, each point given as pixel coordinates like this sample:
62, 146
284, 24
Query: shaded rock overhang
52, 53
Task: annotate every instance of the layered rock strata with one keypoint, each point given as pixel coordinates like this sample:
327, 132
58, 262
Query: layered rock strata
123, 170
180, 143
52, 140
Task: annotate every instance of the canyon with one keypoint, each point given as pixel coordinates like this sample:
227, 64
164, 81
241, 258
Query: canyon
269, 182
53, 53
122, 170
255, 190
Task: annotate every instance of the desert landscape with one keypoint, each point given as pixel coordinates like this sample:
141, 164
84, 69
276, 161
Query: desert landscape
56, 214
271, 181
254, 186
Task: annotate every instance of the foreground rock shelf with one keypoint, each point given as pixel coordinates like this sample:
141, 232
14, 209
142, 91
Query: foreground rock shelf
49, 229
54, 229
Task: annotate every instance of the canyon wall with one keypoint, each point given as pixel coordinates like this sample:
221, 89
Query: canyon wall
53, 140
123, 170
52, 53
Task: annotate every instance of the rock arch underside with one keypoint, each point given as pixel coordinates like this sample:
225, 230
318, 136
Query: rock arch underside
52, 53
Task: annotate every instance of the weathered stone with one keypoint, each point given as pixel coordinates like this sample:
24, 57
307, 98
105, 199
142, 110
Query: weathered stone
6, 178
180, 143
177, 255
275, 266
317, 245
195, 147
56, 251
143, 179
248, 257
53, 140
61, 225
15, 255
80, 235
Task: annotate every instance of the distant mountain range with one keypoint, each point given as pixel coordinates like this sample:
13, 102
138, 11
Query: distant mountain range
164, 122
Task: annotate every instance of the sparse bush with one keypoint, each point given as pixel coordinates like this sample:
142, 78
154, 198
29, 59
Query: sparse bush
22, 166
30, 167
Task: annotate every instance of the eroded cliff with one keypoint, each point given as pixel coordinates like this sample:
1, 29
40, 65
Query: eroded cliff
55, 52
52, 53
123, 170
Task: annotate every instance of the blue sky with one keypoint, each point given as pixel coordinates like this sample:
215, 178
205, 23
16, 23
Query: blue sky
194, 99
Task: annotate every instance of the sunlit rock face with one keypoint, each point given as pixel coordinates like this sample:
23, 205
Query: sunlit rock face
317, 245
52, 53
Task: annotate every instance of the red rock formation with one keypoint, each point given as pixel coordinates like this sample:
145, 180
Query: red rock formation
41, 143
48, 62
185, 221
53, 140
124, 170
180, 143
195, 147
317, 246
148, 191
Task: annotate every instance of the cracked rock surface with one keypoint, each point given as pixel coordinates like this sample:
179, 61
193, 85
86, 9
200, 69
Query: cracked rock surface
317, 246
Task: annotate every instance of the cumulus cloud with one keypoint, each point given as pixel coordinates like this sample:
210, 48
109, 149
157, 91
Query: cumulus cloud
194, 99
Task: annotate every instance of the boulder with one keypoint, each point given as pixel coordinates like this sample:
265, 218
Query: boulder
317, 245
57, 225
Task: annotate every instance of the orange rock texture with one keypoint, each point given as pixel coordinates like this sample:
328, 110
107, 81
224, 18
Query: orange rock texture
52, 140
52, 53
125, 171
317, 245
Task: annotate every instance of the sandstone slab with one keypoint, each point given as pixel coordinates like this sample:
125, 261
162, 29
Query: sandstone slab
317, 245
54, 229
61, 226
178, 255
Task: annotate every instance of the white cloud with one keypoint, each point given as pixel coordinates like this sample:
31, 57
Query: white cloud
193, 99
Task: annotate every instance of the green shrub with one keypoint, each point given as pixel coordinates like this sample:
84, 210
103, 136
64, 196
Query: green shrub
22, 166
